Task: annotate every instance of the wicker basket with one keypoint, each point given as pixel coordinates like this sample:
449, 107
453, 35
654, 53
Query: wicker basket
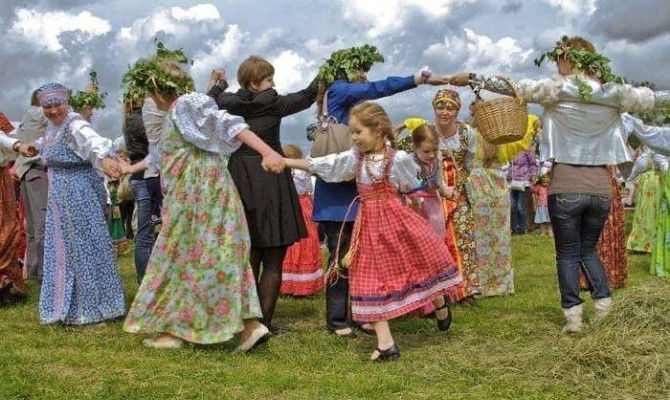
502, 120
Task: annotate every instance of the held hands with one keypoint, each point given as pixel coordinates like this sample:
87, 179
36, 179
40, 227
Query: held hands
111, 167
437, 80
26, 150
462, 79
218, 74
273, 162
125, 167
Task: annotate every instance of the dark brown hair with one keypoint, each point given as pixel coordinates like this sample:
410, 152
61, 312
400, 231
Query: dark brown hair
33, 99
253, 70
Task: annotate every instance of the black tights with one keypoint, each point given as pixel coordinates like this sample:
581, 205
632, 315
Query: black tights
269, 281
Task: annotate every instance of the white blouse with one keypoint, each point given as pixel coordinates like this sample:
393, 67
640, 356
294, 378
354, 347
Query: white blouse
303, 181
201, 123
341, 167
656, 137
82, 139
7, 153
578, 131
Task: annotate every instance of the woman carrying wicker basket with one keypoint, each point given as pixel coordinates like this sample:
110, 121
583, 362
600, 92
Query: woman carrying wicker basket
583, 133
485, 193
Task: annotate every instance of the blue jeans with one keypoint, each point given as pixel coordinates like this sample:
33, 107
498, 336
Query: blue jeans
148, 199
577, 220
518, 202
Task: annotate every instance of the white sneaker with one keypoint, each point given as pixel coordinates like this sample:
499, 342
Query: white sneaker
258, 336
171, 343
603, 307
573, 315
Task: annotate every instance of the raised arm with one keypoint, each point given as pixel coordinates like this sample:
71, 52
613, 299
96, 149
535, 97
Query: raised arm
657, 138
295, 102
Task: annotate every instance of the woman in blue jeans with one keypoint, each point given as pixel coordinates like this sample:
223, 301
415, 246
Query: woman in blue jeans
583, 134
142, 128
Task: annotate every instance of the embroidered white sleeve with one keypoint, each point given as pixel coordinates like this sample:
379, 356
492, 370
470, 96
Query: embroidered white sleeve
7, 154
88, 144
201, 123
404, 172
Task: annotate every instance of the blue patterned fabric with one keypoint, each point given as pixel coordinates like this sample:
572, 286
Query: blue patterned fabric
81, 283
52, 94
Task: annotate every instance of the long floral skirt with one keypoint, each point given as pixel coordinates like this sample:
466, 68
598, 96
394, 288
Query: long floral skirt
660, 257
490, 204
643, 233
199, 285
10, 273
461, 243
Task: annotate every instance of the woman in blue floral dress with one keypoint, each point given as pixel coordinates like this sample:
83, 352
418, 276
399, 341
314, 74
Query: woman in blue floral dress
81, 283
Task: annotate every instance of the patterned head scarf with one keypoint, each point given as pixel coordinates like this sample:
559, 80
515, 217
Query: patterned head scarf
447, 96
52, 94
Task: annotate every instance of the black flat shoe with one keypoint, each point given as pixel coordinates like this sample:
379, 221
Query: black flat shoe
443, 324
390, 354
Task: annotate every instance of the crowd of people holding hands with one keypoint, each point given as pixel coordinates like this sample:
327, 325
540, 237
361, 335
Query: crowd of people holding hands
415, 217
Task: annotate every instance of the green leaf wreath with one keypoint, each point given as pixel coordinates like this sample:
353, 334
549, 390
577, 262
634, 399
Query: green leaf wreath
89, 98
148, 75
345, 63
581, 60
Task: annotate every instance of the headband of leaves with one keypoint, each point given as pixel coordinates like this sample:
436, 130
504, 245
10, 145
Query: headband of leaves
89, 98
149, 75
345, 63
589, 62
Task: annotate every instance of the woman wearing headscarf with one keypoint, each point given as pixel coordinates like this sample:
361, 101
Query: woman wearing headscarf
458, 146
81, 283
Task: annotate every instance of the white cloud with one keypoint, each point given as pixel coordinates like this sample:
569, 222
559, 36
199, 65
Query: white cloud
292, 72
382, 17
43, 30
480, 53
641, 62
574, 8
323, 49
146, 28
219, 54
200, 12
268, 39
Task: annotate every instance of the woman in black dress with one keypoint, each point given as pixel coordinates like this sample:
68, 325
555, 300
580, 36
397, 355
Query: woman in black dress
270, 201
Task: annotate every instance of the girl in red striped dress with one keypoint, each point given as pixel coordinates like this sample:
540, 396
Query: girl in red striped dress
396, 261
302, 270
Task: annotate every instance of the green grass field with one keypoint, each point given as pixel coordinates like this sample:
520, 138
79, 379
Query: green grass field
502, 348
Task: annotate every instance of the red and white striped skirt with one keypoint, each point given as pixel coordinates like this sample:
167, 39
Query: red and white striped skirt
302, 271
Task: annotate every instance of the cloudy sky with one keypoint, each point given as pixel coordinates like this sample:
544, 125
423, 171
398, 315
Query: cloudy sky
61, 40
